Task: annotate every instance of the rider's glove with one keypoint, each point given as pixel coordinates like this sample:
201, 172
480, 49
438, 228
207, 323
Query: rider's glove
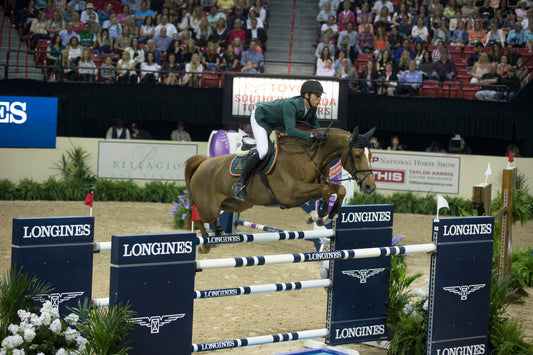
318, 136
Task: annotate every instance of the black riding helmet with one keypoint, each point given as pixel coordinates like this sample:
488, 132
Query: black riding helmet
311, 86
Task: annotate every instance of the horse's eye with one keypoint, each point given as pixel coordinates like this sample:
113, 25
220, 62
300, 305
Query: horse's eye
357, 156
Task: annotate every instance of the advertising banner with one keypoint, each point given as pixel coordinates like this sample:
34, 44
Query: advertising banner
28, 122
412, 172
153, 161
248, 91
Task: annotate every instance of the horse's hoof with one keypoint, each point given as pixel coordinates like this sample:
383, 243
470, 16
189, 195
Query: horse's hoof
310, 220
312, 217
204, 248
319, 222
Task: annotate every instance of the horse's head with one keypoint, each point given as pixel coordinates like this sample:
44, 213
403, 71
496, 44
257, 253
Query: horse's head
357, 160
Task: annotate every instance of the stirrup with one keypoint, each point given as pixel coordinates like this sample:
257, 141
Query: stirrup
239, 189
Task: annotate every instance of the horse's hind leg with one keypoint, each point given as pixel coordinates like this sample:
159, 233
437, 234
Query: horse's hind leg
204, 248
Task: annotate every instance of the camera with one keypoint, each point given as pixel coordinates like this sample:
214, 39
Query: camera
457, 144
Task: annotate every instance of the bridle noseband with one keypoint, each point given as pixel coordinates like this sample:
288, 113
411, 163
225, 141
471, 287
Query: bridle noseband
358, 144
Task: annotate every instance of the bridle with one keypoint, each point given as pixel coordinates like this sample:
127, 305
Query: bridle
355, 171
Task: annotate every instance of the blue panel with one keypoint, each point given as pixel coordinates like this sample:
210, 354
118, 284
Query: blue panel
463, 346
357, 331
365, 216
28, 122
152, 248
464, 229
53, 230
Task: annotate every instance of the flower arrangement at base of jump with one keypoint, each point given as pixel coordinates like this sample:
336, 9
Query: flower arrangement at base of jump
182, 211
44, 334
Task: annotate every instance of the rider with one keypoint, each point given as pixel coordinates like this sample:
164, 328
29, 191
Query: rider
280, 113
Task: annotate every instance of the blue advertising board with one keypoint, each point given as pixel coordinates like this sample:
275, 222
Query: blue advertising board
28, 122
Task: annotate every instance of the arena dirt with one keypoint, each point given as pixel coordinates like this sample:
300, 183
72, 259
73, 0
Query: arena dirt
241, 316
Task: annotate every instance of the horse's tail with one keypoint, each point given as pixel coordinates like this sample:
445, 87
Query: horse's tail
190, 167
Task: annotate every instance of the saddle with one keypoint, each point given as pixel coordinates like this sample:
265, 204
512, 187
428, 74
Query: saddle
248, 145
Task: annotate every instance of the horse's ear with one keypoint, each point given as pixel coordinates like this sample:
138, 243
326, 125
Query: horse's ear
369, 134
355, 135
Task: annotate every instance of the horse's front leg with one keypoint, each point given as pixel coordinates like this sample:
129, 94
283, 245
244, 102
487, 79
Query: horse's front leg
327, 191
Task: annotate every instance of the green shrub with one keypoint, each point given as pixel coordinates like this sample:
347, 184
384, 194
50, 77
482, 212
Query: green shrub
28, 189
522, 266
53, 190
8, 191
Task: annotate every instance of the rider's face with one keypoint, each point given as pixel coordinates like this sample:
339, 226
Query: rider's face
314, 99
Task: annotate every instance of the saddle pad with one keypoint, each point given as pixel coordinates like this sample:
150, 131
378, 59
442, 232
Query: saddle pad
235, 168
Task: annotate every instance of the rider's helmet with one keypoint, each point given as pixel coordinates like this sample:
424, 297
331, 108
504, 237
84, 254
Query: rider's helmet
311, 86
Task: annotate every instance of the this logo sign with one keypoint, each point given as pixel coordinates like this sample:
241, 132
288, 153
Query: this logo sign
156, 322
57, 298
28, 122
464, 290
363, 274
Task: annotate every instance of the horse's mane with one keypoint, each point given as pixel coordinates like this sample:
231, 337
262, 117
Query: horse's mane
331, 131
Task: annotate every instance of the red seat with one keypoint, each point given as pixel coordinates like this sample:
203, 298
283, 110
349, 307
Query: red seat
525, 52
463, 72
468, 51
486, 49
40, 50
365, 57
469, 91
361, 67
460, 63
455, 50
431, 47
97, 59
430, 90
210, 80
452, 90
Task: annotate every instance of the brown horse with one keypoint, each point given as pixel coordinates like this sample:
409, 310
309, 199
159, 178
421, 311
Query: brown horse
300, 174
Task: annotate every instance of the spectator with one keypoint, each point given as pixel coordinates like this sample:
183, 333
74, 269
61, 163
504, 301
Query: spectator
330, 24
147, 30
105, 43
395, 144
365, 21
150, 47
486, 13
239, 15
123, 41
435, 147
230, 61
402, 13
221, 33
55, 24
521, 11
53, 51
89, 9
257, 33
87, 39
48, 9
410, 81
383, 19
118, 131
162, 41
193, 70
404, 28
215, 15
403, 64
420, 32
142, 13
516, 36
437, 52
444, 69
321, 45
454, 20
451, 9
481, 67
526, 23
94, 27
369, 75
474, 57
350, 33
66, 69
387, 80
261, 11
150, 69
503, 67
138, 133
171, 70
74, 50
528, 36
521, 72
324, 13
327, 69
171, 29
123, 12
379, 4
347, 72
460, 35
67, 34
78, 5
379, 41
237, 31
196, 17
105, 15
513, 54
419, 53
426, 66
513, 149
477, 34
211, 59
249, 68
126, 69
136, 52
383, 58
347, 12
180, 134
77, 25
252, 15
490, 78
374, 143
509, 23
113, 26
468, 9
442, 34
433, 7
326, 54
498, 18
365, 41
86, 67
422, 13
38, 29
395, 39
255, 56
365, 11
496, 52
406, 44
66, 16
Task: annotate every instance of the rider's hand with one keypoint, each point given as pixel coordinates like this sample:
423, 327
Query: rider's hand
318, 136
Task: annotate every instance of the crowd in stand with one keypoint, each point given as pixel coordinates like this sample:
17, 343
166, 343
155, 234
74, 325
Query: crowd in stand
161, 41
394, 47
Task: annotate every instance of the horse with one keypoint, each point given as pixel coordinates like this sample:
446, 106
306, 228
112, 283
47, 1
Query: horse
299, 175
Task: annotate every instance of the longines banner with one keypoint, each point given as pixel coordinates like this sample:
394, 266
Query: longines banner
28, 122
152, 161
411, 172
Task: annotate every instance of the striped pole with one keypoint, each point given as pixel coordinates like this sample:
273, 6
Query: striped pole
265, 237
306, 257
248, 290
257, 226
265, 339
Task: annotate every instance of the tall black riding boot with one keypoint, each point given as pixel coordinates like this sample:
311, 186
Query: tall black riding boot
252, 162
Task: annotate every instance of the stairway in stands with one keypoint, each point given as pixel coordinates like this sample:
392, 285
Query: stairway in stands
11, 40
279, 37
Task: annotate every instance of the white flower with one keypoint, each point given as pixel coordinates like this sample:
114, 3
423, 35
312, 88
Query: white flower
427, 282
36, 320
420, 293
70, 334
45, 318
18, 352
61, 352
81, 341
55, 327
29, 334
4, 352
47, 306
408, 308
23, 315
425, 306
72, 319
54, 312
41, 354
12, 341
13, 328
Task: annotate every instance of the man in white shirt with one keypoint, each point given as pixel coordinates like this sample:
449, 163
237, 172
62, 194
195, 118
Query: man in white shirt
89, 9
253, 15
171, 29
380, 3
